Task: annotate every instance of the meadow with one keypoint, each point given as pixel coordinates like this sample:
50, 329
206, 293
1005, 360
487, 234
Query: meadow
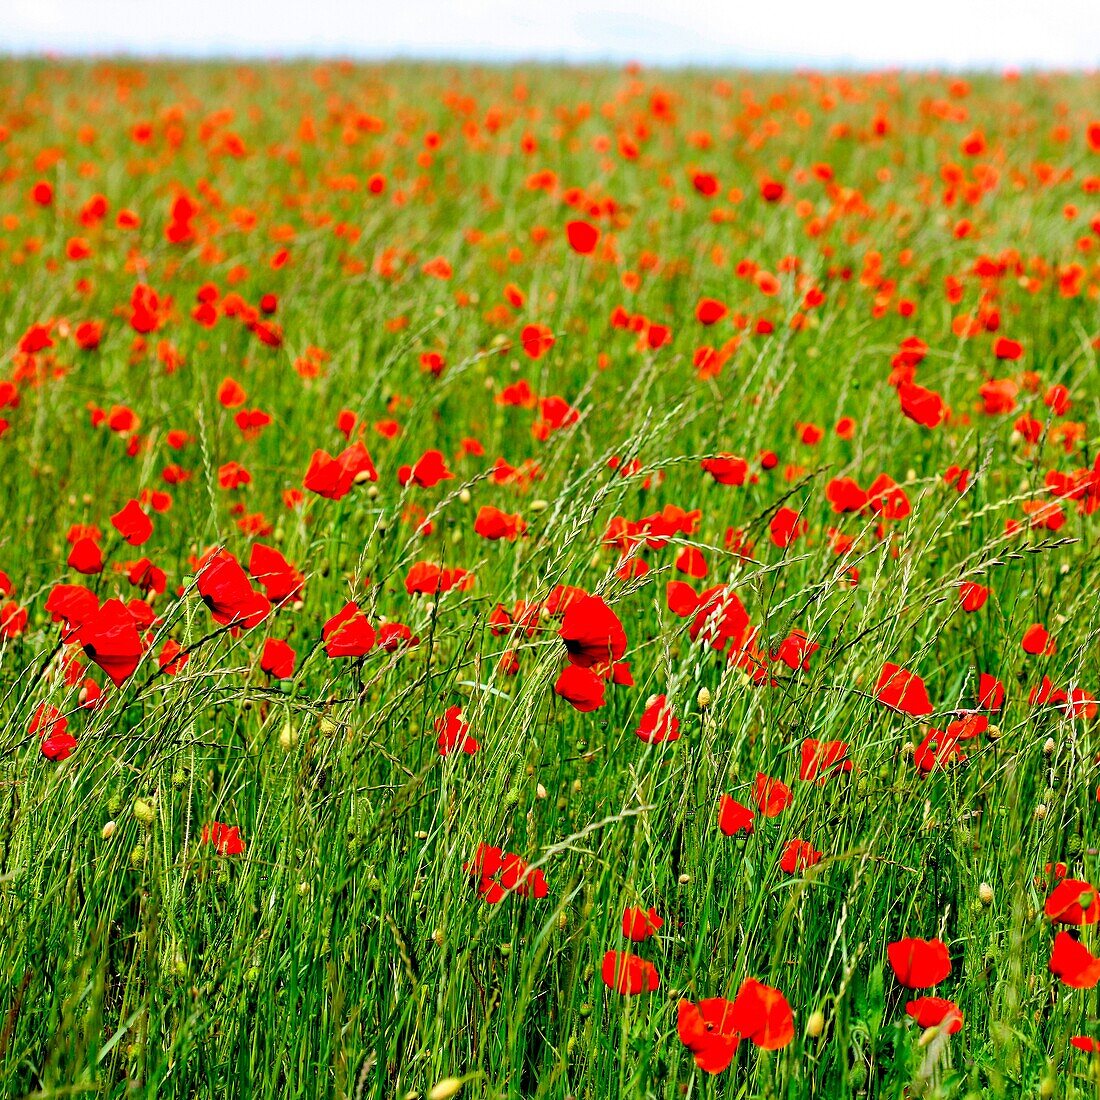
541, 582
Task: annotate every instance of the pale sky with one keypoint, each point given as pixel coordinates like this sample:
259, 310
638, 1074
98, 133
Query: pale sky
857, 33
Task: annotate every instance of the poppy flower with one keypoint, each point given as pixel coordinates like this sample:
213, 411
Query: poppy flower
820, 759
772, 796
277, 659
733, 818
132, 524
786, 526
1073, 901
1085, 1043
73, 605
903, 690
172, 657
227, 592
628, 974
919, 963
276, 576
427, 578
972, 596
991, 692
719, 620
86, 557
710, 311
922, 406
429, 470
583, 236
658, 723
499, 873
1072, 963
394, 636
58, 746
493, 524
934, 1012
726, 469
592, 633
713, 1028
111, 640
332, 478
639, 924
845, 495
708, 1029
348, 633
536, 340
795, 651
581, 688
1037, 641
225, 839
454, 733
798, 855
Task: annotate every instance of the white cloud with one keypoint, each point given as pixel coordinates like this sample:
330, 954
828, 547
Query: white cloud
986, 33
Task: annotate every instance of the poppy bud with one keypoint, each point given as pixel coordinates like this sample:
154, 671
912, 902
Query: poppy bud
985, 893
815, 1025
703, 698
464, 496
145, 811
108, 830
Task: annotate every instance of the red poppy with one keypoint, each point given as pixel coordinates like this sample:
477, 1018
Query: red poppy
583, 236
537, 340
275, 575
1037, 640
639, 924
921, 405
991, 692
919, 963
1073, 964
278, 659
786, 527
429, 470
934, 1012
225, 839
658, 723
132, 524
110, 639
727, 469
820, 759
493, 524
226, 590
733, 818
798, 855
332, 478
772, 796
581, 688
592, 633
903, 690
454, 733
1073, 901
499, 873
348, 633
628, 974
972, 595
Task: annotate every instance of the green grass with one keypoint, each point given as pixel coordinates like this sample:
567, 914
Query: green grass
346, 952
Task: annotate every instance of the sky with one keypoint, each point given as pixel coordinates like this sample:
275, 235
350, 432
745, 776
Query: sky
989, 34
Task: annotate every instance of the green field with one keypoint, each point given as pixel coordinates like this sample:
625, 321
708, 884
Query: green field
450, 512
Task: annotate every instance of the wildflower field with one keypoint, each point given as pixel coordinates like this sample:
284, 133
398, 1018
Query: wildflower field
548, 583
